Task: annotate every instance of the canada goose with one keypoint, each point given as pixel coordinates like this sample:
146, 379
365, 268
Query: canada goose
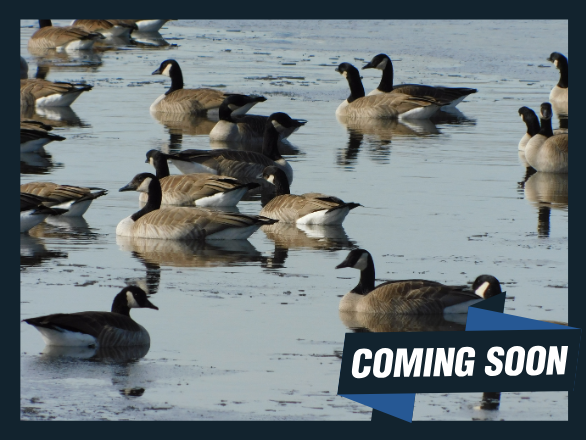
453, 95
245, 165
23, 68
545, 151
34, 135
52, 94
151, 25
310, 208
202, 189
559, 94
530, 119
180, 100
409, 297
33, 211
234, 125
108, 28
115, 328
179, 223
75, 199
383, 106
67, 37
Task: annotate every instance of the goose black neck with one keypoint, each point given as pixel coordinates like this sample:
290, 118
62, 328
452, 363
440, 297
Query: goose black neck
154, 201
366, 283
532, 124
225, 113
120, 304
45, 23
563, 66
356, 87
546, 128
161, 166
270, 142
176, 79
386, 82
281, 183
42, 72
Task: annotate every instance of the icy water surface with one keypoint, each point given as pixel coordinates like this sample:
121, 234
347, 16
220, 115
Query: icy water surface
251, 330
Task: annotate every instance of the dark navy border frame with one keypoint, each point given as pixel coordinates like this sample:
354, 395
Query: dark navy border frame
275, 9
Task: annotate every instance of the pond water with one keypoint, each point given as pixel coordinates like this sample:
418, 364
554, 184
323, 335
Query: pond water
251, 330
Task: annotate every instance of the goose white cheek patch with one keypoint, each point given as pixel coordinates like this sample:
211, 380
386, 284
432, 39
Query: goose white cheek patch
382, 65
362, 262
278, 126
482, 289
131, 301
271, 179
167, 70
144, 186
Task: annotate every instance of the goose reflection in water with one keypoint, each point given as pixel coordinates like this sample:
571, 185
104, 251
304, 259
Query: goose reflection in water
74, 60
378, 133
34, 253
150, 283
377, 322
37, 163
290, 236
149, 40
68, 228
54, 116
179, 253
547, 191
184, 123
127, 354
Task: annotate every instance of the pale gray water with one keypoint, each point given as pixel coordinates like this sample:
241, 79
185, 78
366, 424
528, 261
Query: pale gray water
251, 331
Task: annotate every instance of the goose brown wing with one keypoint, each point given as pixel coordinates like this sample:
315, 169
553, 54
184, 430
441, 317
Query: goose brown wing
59, 36
190, 187
90, 323
61, 193
289, 208
41, 88
201, 99
232, 163
445, 94
416, 297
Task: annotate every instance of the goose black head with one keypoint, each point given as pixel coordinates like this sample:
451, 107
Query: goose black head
546, 112
557, 59
347, 69
378, 62
151, 156
167, 68
131, 297
357, 259
486, 286
137, 298
531, 119
140, 183
282, 121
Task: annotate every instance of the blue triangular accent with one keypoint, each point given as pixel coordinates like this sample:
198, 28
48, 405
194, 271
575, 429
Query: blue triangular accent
494, 304
396, 405
484, 320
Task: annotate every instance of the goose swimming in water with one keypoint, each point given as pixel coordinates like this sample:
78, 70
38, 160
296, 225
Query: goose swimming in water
178, 223
410, 297
310, 208
392, 105
453, 95
109, 329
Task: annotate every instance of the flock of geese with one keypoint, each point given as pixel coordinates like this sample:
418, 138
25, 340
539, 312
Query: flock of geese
180, 207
